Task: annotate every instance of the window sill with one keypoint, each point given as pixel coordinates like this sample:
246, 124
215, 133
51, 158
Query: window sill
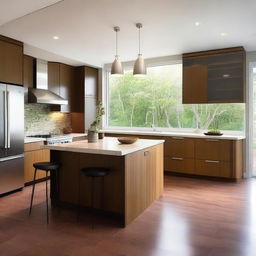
170, 134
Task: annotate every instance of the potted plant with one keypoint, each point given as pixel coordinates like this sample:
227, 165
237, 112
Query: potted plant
94, 127
214, 129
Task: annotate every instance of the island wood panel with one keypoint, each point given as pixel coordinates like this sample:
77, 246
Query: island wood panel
31, 157
143, 180
70, 176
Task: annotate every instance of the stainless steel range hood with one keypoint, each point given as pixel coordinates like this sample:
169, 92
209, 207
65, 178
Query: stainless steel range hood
40, 92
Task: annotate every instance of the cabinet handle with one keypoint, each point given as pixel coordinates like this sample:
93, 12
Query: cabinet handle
211, 161
226, 76
212, 140
177, 158
178, 138
146, 153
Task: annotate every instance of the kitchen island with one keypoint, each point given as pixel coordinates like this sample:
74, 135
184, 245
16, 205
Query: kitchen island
134, 182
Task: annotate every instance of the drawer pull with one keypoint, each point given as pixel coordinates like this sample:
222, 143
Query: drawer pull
178, 138
146, 153
212, 140
177, 158
212, 161
226, 76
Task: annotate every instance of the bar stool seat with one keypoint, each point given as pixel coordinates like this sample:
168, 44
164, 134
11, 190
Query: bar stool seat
47, 167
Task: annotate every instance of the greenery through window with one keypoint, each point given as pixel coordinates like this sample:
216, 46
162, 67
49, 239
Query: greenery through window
156, 101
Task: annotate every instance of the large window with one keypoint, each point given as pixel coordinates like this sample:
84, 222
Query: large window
156, 101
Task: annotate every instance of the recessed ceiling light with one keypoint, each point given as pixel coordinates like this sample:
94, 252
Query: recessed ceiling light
223, 34
197, 23
55, 37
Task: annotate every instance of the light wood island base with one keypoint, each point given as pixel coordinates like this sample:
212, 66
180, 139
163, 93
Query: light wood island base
134, 182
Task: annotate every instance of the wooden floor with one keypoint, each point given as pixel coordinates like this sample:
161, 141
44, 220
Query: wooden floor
193, 217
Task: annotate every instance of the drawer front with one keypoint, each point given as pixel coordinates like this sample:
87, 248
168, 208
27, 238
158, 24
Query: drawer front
213, 149
213, 168
179, 147
179, 164
33, 146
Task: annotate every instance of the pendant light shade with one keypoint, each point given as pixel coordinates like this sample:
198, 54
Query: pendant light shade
139, 68
116, 68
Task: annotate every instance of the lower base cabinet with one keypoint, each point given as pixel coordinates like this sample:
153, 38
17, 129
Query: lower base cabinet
33, 154
213, 168
179, 164
211, 157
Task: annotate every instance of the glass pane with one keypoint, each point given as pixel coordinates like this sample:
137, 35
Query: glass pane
156, 101
254, 121
1, 118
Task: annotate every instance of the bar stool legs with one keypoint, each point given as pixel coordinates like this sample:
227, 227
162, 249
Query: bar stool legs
47, 167
46, 189
33, 190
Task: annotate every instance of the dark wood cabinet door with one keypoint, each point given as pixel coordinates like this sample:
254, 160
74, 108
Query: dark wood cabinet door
216, 76
194, 84
179, 147
28, 70
66, 86
91, 82
11, 63
54, 77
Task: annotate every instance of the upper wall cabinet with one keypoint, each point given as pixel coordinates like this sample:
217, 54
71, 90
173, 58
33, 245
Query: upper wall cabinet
61, 82
11, 61
216, 76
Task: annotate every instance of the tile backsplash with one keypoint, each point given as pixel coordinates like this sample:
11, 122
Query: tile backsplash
40, 120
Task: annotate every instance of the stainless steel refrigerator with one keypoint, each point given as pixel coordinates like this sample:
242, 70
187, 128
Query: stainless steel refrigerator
11, 138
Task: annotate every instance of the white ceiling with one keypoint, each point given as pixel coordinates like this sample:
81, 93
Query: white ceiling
85, 27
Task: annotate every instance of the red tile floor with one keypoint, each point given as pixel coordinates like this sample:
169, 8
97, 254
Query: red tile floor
193, 217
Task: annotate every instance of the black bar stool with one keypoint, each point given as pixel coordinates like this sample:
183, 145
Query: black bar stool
47, 167
93, 172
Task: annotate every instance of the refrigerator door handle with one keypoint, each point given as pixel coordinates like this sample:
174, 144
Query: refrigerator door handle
8, 158
5, 121
8, 120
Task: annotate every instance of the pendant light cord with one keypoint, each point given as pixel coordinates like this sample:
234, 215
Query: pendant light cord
139, 41
116, 43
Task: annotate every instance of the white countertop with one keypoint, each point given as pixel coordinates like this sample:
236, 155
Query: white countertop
106, 146
177, 134
73, 135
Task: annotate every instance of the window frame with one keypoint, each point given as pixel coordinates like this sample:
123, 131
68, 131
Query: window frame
169, 60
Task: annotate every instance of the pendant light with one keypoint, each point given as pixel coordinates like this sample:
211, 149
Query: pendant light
116, 68
139, 68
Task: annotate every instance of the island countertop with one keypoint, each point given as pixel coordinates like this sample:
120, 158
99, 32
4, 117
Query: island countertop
106, 146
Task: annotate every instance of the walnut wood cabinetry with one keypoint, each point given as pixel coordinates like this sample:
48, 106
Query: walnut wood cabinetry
61, 82
34, 154
179, 154
11, 61
86, 79
216, 76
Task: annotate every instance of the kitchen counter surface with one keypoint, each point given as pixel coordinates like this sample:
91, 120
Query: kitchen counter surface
176, 134
106, 146
32, 140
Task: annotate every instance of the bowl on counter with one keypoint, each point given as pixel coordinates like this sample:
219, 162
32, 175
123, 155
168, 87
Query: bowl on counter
127, 140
